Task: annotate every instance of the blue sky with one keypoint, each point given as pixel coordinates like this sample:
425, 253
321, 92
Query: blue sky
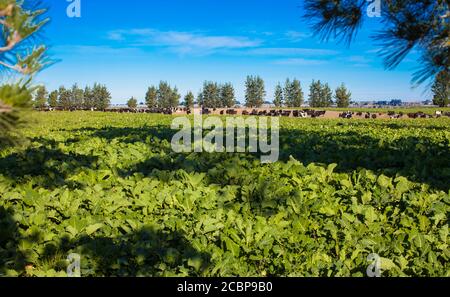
130, 45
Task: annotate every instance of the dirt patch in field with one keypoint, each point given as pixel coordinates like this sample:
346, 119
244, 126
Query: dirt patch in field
331, 115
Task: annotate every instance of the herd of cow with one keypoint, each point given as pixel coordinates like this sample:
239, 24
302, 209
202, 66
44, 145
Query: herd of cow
170, 111
305, 113
274, 113
393, 115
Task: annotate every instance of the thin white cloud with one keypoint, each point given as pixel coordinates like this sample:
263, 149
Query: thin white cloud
359, 59
374, 51
181, 42
116, 36
300, 62
295, 36
291, 51
95, 50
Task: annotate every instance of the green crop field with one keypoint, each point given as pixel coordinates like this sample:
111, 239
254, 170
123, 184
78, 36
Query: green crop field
109, 188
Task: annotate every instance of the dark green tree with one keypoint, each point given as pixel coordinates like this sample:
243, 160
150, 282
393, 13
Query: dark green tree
53, 99
279, 99
315, 94
343, 96
40, 100
105, 98
255, 91
64, 98
287, 92
326, 96
89, 100
77, 99
101, 97
165, 94
132, 103
293, 93
210, 97
151, 97
189, 100
200, 100
174, 98
441, 89
227, 97
406, 24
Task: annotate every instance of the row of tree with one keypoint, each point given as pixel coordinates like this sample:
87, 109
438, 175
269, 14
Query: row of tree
441, 89
163, 96
214, 95
320, 95
97, 97
289, 95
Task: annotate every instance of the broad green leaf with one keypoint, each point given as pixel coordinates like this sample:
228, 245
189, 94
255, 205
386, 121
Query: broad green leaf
93, 228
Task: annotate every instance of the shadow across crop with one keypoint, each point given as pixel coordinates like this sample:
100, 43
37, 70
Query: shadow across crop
127, 134
46, 167
145, 252
420, 159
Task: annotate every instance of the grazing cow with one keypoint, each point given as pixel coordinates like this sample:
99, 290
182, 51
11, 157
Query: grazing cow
316, 114
417, 115
346, 115
299, 114
286, 113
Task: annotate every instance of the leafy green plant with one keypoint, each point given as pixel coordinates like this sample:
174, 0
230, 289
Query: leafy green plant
110, 188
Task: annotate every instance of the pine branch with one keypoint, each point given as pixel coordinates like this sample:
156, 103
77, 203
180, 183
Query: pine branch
12, 42
7, 11
13, 67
